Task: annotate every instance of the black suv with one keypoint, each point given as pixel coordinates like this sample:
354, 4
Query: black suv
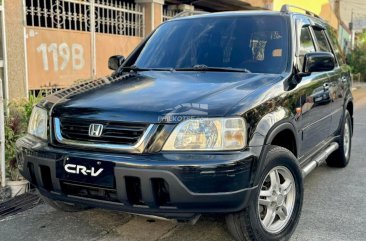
219, 113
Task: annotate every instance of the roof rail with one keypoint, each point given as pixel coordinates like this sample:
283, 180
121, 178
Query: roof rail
286, 9
189, 13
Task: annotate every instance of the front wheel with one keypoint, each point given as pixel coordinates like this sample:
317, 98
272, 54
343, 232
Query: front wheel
274, 209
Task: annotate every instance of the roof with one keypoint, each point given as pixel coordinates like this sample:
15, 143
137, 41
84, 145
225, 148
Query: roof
217, 5
230, 14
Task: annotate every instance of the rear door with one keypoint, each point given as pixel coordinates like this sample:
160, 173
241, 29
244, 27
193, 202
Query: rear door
340, 80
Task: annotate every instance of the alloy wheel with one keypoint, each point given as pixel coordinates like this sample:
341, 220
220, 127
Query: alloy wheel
276, 199
346, 139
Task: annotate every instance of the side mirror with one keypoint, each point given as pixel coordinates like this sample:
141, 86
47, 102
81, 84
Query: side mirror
318, 62
115, 62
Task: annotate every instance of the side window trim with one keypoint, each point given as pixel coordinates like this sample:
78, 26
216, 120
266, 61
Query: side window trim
315, 40
331, 47
321, 30
301, 22
299, 39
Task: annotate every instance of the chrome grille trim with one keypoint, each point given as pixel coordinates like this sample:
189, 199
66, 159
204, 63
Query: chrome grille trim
136, 148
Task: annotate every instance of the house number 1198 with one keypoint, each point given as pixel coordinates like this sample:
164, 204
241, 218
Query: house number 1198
60, 56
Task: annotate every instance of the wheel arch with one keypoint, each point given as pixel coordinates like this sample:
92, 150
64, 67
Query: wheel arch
269, 129
284, 131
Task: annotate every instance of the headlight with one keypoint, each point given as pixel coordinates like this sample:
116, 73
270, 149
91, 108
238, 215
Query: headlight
38, 123
210, 134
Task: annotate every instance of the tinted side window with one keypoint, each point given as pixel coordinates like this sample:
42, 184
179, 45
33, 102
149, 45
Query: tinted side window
306, 44
322, 40
336, 48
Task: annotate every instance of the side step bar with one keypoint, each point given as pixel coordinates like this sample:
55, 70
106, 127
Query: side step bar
318, 160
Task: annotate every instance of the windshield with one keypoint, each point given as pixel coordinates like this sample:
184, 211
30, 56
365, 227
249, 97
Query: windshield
255, 43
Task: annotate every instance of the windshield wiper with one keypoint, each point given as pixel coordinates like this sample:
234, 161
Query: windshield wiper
198, 67
202, 67
135, 68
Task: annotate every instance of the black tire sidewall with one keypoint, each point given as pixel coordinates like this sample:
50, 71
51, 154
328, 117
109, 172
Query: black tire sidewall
338, 158
348, 120
278, 157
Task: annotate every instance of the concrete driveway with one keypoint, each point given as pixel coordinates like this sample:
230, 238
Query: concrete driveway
334, 209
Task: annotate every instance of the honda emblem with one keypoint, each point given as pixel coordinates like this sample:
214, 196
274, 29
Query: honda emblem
95, 130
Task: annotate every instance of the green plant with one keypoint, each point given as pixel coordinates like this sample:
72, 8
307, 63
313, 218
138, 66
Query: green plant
357, 58
16, 123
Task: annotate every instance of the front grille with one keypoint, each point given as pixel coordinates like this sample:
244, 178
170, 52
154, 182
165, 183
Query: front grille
113, 132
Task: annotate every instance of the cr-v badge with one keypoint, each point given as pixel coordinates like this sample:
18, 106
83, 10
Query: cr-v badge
77, 169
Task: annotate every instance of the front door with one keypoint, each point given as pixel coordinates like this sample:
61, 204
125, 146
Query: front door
315, 101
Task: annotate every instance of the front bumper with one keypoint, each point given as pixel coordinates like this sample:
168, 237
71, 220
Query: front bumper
177, 186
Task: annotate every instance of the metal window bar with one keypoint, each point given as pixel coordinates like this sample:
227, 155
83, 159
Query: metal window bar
169, 14
111, 17
128, 23
39, 13
80, 18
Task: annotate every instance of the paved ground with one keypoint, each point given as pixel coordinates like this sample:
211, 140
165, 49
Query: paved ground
334, 209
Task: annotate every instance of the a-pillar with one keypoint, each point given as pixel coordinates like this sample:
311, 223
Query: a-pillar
153, 13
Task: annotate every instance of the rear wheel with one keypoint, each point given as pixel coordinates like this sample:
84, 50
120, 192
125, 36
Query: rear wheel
340, 157
65, 207
274, 209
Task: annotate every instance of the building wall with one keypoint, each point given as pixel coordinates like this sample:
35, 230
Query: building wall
57, 57
27, 50
51, 54
16, 65
158, 13
320, 7
344, 38
126, 45
261, 3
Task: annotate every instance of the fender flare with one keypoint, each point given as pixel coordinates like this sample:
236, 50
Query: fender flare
279, 128
271, 134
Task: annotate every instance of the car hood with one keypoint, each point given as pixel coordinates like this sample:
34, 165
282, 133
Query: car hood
155, 97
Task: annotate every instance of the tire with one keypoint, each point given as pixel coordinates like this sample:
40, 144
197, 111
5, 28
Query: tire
341, 157
248, 224
64, 207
